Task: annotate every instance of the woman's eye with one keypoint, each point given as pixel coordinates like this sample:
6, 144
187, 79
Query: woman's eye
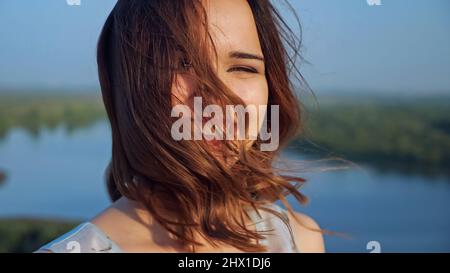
244, 69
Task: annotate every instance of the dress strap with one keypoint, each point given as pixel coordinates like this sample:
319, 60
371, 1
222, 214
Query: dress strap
285, 215
281, 239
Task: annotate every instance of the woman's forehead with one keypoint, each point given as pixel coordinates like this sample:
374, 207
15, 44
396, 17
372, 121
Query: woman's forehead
232, 26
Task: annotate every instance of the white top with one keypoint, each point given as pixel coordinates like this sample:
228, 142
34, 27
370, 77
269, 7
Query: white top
88, 238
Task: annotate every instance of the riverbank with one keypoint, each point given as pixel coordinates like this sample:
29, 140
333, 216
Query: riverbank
407, 134
25, 235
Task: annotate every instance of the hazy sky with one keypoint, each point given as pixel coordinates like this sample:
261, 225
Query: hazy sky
400, 46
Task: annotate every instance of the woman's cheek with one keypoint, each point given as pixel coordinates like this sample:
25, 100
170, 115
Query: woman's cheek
252, 91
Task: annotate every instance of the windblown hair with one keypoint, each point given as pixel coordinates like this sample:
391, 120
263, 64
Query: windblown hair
143, 45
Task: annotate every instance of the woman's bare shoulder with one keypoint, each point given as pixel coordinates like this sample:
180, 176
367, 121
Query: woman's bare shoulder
130, 226
307, 233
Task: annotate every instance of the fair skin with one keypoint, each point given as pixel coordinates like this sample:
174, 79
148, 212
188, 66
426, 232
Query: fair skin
233, 29
133, 229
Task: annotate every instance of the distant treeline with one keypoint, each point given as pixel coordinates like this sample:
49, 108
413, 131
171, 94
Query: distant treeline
411, 133
27, 235
32, 112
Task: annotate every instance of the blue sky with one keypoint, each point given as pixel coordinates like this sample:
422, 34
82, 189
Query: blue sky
402, 46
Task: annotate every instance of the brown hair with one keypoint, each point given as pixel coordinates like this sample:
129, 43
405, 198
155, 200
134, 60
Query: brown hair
142, 46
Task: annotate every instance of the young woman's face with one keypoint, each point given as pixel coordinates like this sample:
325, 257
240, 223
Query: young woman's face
240, 64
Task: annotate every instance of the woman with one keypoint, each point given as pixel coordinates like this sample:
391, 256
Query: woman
172, 195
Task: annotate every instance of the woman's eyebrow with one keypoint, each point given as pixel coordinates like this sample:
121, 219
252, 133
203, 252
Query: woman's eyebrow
245, 55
